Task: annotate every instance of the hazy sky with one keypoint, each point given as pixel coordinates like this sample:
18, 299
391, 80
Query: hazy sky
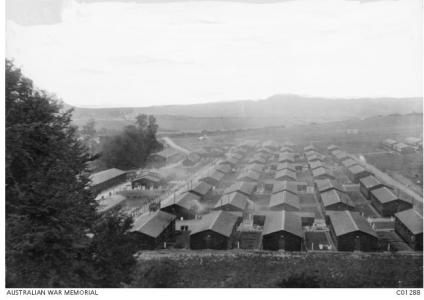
127, 54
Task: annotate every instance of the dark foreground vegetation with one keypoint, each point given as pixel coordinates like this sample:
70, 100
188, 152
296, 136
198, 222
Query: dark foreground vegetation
54, 237
229, 269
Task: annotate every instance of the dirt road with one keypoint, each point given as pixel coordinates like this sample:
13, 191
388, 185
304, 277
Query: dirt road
418, 200
172, 144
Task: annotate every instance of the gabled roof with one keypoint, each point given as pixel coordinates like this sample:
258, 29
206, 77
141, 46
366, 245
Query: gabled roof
285, 165
217, 221
332, 147
288, 186
201, 188
283, 157
321, 171
256, 167
384, 195
289, 144
249, 174
284, 197
314, 157
110, 202
324, 185
243, 187
235, 199
390, 142
229, 161
215, 175
257, 159
356, 169
286, 149
346, 221
412, 220
340, 155
283, 221
223, 168
103, 176
309, 148
333, 196
185, 200
271, 144
413, 141
285, 173
237, 155
370, 181
347, 163
152, 224
316, 164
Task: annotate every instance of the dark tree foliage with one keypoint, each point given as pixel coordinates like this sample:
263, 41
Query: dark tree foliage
112, 251
49, 209
131, 148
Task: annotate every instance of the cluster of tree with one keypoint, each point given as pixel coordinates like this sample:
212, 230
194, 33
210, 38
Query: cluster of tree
131, 148
54, 236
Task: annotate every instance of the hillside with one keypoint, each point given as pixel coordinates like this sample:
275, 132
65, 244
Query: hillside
278, 110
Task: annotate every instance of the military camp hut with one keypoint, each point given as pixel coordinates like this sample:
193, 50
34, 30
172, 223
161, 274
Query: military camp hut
191, 159
185, 205
340, 156
258, 168
106, 179
237, 156
286, 149
322, 173
150, 231
387, 203
347, 163
246, 188
214, 178
325, 185
413, 141
201, 189
288, 186
336, 200
367, 184
224, 168
316, 164
166, 156
271, 145
232, 202
389, 143
409, 225
350, 231
282, 230
310, 148
285, 174
357, 172
214, 230
285, 165
249, 175
289, 144
403, 148
148, 180
232, 162
257, 160
286, 157
314, 157
331, 148
284, 200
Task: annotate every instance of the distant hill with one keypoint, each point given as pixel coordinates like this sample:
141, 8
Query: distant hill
278, 110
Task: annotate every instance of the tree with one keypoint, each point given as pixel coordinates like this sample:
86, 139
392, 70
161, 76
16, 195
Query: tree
131, 148
51, 219
112, 251
48, 208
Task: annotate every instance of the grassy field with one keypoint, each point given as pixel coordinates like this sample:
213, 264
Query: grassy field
225, 269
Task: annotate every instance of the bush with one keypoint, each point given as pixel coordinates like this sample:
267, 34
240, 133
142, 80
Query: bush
158, 274
299, 281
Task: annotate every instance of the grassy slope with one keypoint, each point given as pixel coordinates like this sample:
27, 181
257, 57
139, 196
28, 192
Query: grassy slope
266, 269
